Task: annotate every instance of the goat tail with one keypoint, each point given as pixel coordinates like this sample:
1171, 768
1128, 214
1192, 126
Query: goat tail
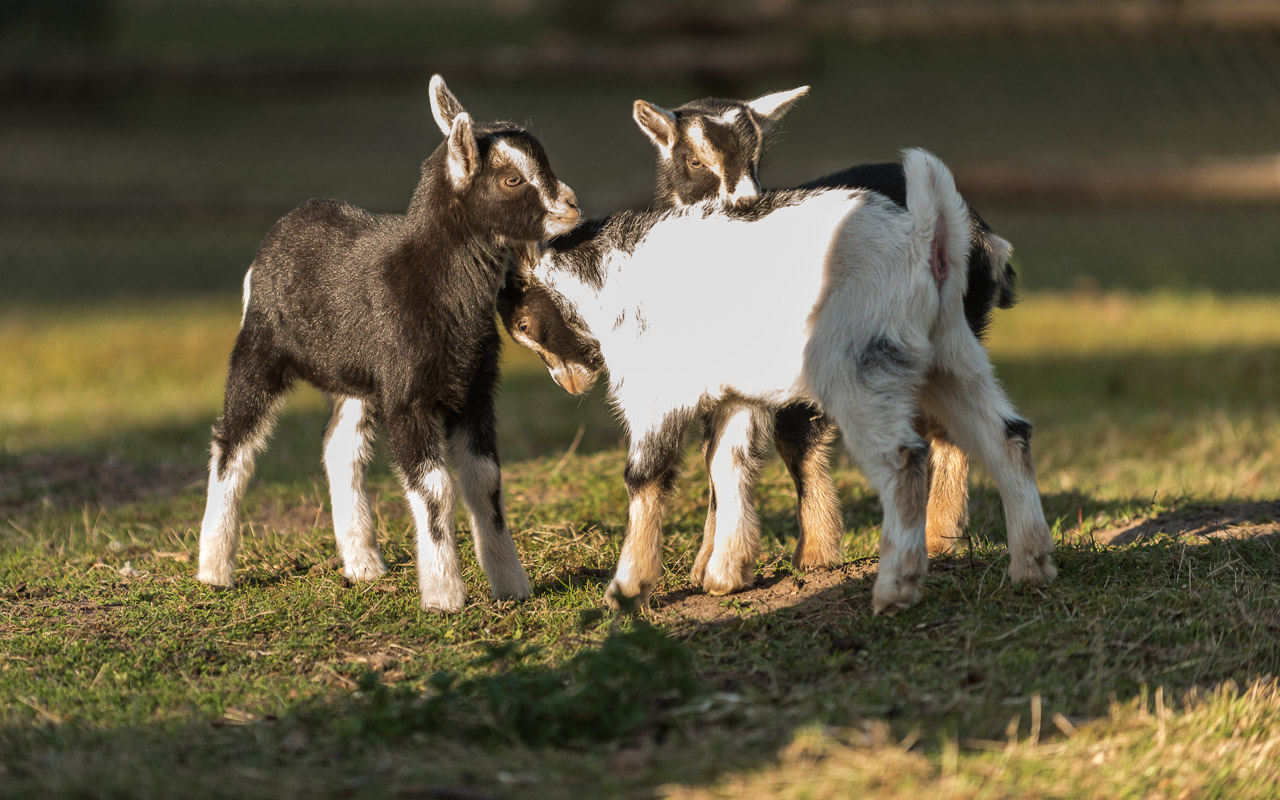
939, 215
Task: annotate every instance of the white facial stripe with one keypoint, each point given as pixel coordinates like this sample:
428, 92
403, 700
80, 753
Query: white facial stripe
706, 152
525, 166
745, 190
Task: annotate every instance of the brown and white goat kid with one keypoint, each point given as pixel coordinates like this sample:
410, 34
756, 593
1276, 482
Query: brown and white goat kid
391, 315
711, 148
836, 298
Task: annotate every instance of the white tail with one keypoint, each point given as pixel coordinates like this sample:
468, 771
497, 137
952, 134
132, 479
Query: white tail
940, 218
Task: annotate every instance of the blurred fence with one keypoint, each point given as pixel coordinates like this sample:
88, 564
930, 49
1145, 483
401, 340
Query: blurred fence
148, 144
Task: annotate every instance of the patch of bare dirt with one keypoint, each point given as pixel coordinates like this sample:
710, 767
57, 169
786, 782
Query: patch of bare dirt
1235, 521
772, 591
65, 480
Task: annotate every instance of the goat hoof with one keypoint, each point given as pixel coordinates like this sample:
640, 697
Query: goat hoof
218, 579
365, 569
722, 582
810, 560
631, 601
512, 587
895, 594
449, 598
1034, 570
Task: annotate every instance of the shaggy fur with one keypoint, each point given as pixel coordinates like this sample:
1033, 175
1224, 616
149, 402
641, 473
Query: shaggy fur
391, 315
836, 299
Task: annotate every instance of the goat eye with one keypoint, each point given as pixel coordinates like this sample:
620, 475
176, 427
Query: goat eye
695, 164
523, 326
512, 181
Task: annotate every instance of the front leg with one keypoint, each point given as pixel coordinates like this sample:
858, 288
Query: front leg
650, 474
416, 448
473, 448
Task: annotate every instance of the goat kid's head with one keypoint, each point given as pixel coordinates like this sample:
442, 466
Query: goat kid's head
502, 173
534, 320
711, 147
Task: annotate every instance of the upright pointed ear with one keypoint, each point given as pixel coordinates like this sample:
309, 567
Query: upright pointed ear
770, 108
657, 123
464, 158
444, 106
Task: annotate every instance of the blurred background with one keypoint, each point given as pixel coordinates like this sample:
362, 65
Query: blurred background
147, 145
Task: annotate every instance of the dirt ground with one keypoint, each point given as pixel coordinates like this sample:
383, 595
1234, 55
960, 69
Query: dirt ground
773, 591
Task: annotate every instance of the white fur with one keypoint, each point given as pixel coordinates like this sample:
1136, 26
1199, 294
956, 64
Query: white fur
346, 453
480, 478
439, 572
733, 468
435, 91
745, 191
220, 527
244, 301
771, 107
781, 309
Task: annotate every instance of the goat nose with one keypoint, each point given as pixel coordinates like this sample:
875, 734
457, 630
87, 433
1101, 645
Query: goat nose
570, 199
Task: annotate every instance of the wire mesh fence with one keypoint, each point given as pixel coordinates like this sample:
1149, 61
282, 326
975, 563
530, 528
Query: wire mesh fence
147, 145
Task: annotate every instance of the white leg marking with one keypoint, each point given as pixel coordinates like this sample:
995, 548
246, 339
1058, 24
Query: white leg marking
733, 468
481, 481
220, 529
439, 573
346, 454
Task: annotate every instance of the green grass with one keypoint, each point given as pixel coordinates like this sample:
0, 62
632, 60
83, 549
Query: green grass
299, 684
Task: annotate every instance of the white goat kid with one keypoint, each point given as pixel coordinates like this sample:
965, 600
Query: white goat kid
834, 297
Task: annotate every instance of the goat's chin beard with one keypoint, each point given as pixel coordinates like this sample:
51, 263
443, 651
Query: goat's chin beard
573, 378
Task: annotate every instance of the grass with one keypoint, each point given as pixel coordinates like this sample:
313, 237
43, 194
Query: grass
1146, 669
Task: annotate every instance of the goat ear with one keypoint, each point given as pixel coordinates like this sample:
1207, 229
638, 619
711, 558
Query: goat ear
444, 106
464, 158
770, 108
657, 123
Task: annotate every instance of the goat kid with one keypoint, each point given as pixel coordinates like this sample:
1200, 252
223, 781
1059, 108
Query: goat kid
391, 315
839, 299
707, 146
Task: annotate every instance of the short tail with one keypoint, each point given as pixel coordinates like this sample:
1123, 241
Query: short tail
940, 218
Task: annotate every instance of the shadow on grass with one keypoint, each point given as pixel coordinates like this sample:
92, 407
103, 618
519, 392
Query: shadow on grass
694, 698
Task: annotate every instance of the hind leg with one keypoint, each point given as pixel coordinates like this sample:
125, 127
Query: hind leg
346, 454
256, 382
968, 401
872, 398
734, 461
948, 511
803, 438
